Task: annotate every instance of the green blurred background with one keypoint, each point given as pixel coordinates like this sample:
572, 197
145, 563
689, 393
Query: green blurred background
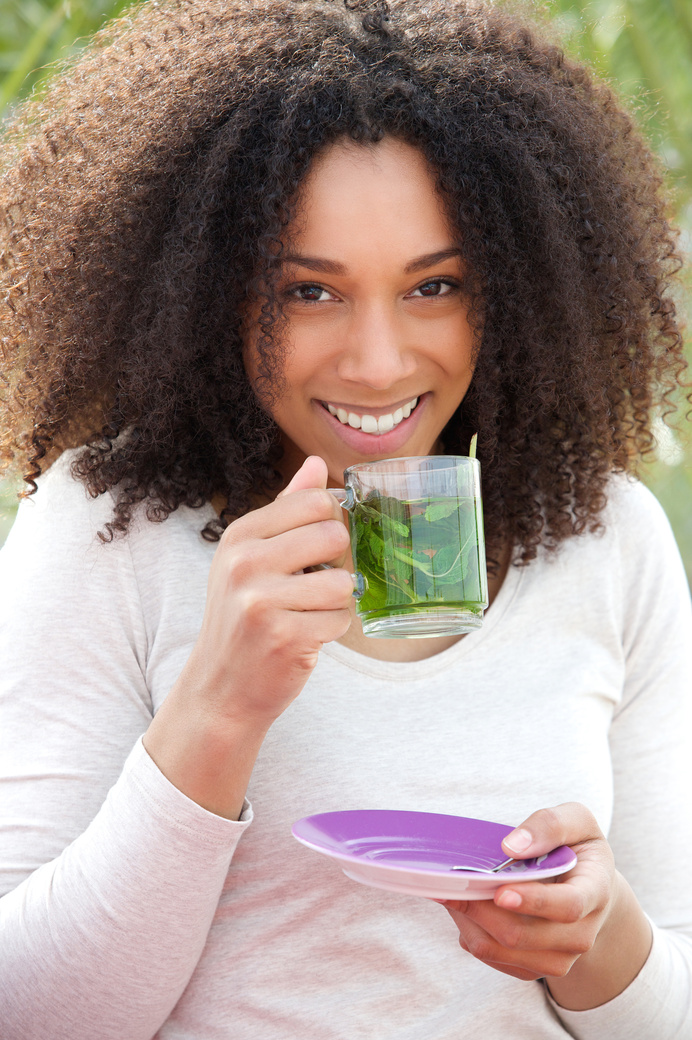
642, 47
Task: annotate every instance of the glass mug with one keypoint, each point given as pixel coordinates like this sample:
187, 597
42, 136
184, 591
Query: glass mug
418, 547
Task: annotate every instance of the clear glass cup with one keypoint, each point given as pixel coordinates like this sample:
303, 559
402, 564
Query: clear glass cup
418, 545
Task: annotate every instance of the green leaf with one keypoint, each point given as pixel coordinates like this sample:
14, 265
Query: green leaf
383, 519
447, 563
441, 510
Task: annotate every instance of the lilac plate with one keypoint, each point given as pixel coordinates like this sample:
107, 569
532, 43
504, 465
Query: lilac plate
414, 852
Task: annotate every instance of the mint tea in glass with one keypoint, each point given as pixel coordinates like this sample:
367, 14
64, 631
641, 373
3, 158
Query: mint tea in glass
418, 548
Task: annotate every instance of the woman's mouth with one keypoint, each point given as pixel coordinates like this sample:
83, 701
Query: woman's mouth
376, 431
369, 423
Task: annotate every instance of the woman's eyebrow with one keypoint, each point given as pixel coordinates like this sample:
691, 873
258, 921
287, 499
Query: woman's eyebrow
419, 263
430, 259
315, 263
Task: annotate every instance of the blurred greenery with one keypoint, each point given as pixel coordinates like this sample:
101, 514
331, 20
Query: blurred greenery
642, 47
37, 34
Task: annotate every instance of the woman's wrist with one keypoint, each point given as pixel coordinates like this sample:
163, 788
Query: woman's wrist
618, 954
208, 758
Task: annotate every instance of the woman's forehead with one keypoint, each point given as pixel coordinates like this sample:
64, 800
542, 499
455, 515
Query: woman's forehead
359, 191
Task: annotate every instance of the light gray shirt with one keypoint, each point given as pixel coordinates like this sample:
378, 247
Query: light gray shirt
129, 912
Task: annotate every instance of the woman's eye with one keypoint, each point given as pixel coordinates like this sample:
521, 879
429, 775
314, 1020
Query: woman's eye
310, 293
436, 287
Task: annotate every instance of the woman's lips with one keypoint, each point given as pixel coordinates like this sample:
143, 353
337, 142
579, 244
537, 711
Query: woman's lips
375, 443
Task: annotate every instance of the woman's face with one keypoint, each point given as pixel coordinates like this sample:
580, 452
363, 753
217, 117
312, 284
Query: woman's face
379, 347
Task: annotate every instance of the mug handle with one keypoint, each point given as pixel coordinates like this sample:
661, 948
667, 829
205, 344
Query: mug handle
346, 500
344, 497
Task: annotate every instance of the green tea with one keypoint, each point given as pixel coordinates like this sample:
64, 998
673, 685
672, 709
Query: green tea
415, 556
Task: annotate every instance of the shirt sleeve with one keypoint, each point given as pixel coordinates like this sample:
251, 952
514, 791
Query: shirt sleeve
109, 875
651, 748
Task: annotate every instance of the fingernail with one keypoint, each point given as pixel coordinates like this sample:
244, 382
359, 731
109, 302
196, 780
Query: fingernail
509, 900
518, 841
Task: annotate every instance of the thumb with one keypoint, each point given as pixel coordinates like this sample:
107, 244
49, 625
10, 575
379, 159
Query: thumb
567, 824
312, 474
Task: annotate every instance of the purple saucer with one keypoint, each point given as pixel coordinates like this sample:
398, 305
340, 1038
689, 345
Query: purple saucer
414, 852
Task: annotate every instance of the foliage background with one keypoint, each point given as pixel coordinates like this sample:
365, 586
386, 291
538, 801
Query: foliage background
642, 47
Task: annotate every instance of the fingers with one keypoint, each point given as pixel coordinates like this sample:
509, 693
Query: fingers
285, 553
510, 959
312, 474
566, 902
573, 896
304, 506
543, 831
300, 634
304, 503
265, 621
258, 567
303, 527
536, 929
518, 931
321, 590
578, 893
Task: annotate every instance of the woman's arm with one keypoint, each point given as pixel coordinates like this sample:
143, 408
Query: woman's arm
109, 876
263, 627
590, 934
102, 940
109, 895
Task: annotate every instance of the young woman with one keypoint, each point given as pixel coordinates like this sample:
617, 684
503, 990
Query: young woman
245, 246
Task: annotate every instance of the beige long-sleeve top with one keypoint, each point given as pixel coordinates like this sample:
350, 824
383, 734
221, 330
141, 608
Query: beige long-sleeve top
129, 912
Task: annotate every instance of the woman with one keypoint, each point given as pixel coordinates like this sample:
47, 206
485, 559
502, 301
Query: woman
249, 235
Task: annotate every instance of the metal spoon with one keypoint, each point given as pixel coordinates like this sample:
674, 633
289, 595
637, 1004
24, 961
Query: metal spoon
488, 870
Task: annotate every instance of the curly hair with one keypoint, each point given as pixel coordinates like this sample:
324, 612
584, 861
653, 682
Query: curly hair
145, 198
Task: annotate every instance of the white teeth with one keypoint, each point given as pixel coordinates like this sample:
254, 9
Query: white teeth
370, 423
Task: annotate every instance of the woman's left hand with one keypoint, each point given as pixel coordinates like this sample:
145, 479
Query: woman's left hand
575, 927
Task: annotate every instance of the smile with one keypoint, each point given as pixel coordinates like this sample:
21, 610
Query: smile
371, 423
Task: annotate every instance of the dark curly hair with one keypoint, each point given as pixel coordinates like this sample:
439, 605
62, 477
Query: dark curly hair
145, 198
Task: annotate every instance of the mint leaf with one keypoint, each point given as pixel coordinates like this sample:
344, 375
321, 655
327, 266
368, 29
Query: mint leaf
441, 510
447, 564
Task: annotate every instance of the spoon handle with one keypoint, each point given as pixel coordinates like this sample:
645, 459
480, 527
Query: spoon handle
487, 870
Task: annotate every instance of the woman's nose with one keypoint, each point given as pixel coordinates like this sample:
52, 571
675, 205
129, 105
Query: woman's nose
376, 350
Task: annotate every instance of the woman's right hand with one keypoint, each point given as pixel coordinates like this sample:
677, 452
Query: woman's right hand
265, 621
264, 624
